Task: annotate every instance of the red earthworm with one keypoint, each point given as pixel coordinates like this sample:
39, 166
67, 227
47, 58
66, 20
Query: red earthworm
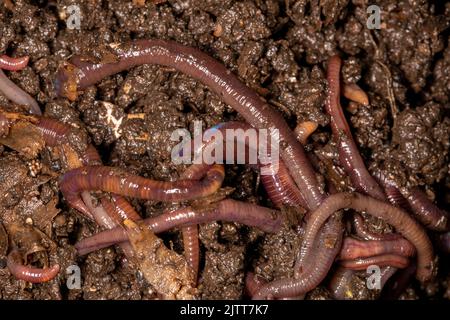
392, 190
425, 210
27, 273
354, 93
304, 129
444, 242
253, 284
362, 231
349, 155
398, 218
266, 219
355, 249
386, 273
191, 248
54, 133
80, 73
191, 242
119, 209
397, 285
340, 285
122, 209
118, 181
13, 64
383, 260
11, 91
277, 181
325, 249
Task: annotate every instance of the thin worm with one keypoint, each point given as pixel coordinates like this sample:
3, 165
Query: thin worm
392, 190
13, 64
30, 274
396, 217
253, 284
384, 260
191, 248
444, 242
395, 286
325, 249
349, 156
238, 148
120, 209
362, 231
80, 73
54, 133
341, 283
267, 220
356, 249
304, 129
354, 93
11, 91
120, 182
426, 211
340, 286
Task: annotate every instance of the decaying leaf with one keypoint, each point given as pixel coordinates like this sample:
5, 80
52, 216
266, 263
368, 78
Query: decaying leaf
167, 271
25, 138
3, 241
44, 214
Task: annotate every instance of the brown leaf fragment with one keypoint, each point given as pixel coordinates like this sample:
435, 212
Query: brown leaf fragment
24, 138
167, 271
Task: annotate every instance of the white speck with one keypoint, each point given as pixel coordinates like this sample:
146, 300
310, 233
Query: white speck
111, 120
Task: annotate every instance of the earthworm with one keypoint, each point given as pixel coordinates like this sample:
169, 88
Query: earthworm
79, 73
11, 91
266, 219
392, 190
398, 218
253, 283
397, 285
118, 181
340, 285
191, 248
325, 249
425, 210
383, 260
444, 242
354, 93
362, 231
13, 64
27, 273
191, 242
54, 133
120, 209
304, 129
277, 181
349, 156
355, 249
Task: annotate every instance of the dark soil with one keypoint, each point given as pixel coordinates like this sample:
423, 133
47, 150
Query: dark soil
279, 48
